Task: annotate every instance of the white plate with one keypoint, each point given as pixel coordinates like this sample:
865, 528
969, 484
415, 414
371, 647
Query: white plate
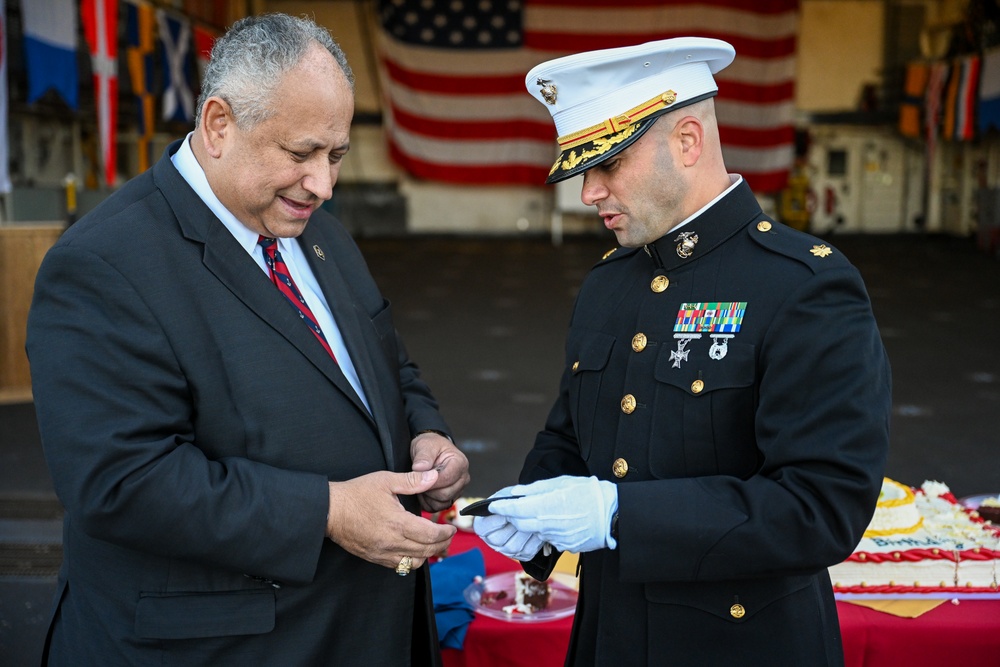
562, 601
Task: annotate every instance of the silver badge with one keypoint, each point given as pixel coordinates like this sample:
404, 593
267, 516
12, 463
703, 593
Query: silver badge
319, 252
687, 242
720, 346
681, 353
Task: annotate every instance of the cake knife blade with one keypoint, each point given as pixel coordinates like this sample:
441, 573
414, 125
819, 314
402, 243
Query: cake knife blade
482, 507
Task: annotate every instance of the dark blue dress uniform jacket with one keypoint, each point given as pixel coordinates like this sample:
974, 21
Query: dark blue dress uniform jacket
751, 466
192, 422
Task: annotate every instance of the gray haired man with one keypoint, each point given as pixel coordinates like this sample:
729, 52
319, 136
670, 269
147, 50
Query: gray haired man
240, 440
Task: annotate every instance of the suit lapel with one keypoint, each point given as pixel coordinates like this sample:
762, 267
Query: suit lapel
354, 325
229, 262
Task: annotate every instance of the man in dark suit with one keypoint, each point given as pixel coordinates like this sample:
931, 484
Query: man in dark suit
239, 438
721, 428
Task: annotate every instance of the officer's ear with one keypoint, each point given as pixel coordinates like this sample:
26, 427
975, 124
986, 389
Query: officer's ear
689, 135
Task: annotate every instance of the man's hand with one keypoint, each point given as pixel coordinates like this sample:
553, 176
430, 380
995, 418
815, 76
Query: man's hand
367, 519
433, 451
570, 513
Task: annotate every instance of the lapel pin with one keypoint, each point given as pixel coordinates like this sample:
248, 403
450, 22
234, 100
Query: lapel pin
319, 252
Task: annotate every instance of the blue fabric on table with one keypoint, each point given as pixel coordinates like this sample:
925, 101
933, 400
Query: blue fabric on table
449, 578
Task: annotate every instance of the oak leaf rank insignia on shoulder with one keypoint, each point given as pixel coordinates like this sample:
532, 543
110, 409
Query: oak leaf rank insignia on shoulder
822, 250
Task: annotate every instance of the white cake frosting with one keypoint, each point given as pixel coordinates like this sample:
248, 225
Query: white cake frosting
934, 489
949, 550
896, 512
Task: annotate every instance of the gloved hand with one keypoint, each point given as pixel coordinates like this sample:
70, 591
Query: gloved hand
503, 537
570, 513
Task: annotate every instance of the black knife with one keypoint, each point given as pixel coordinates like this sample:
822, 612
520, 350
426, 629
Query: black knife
482, 507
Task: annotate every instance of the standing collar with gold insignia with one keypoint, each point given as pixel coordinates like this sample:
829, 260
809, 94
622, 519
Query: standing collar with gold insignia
715, 225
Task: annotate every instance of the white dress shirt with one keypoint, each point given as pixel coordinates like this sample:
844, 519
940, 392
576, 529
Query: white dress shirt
186, 163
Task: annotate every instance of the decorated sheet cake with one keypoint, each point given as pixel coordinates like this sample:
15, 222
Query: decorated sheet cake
922, 541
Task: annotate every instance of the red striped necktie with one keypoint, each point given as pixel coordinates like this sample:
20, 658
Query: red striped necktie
282, 279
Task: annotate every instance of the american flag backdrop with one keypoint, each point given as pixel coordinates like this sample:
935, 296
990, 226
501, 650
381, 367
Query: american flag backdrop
457, 111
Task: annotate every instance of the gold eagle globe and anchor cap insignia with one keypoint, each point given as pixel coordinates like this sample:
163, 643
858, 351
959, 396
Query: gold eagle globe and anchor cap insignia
603, 101
548, 91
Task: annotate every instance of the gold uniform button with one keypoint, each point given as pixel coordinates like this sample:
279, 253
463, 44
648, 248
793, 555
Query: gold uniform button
628, 404
576, 364
659, 284
619, 468
737, 611
764, 226
697, 386
639, 342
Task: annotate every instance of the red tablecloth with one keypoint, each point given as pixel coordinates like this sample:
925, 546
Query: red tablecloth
967, 633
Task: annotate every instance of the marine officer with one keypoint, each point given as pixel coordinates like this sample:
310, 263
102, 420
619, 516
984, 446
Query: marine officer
722, 422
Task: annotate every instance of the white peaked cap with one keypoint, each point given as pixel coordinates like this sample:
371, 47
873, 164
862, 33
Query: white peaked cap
602, 101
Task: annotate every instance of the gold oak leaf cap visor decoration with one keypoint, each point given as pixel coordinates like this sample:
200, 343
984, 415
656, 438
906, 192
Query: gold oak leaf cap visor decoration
602, 101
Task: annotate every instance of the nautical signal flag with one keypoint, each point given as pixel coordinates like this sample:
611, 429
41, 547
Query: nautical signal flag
453, 77
989, 90
100, 27
140, 36
175, 39
50, 48
911, 106
960, 97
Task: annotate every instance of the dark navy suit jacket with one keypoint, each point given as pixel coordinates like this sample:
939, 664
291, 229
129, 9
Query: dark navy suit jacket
191, 423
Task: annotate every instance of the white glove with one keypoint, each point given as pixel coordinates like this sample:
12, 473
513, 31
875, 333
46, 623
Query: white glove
570, 513
503, 537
